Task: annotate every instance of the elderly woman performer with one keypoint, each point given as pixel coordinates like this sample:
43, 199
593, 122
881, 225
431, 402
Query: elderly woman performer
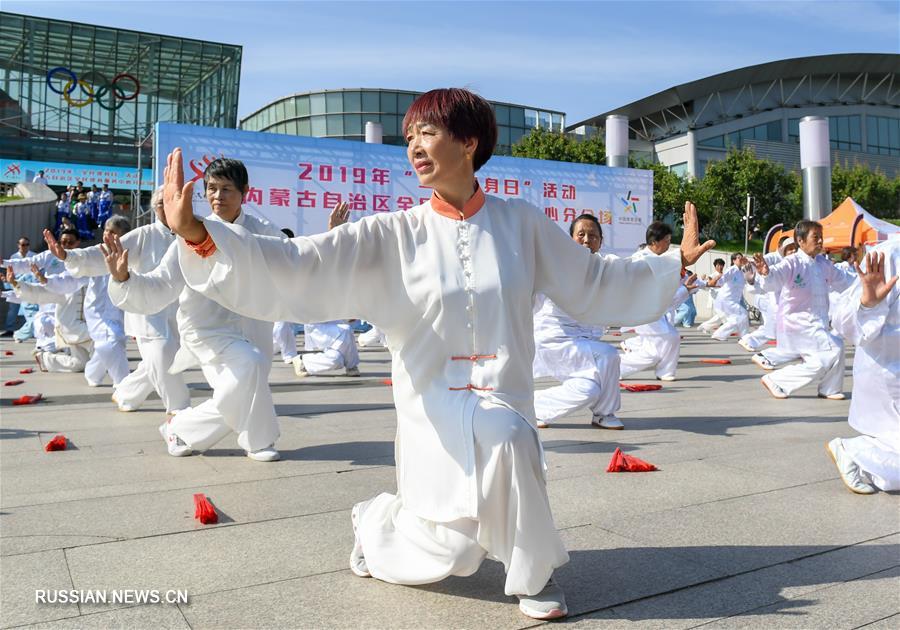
451, 283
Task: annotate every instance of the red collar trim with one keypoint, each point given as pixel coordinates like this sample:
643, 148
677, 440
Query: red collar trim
472, 206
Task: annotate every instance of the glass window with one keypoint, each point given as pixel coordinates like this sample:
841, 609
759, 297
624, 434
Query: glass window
773, 131
291, 127
531, 118
517, 117
390, 122
556, 122
370, 102
389, 102
884, 132
352, 101
679, 169
403, 102
733, 139
502, 114
335, 124
303, 127
334, 102
290, 111
855, 129
793, 130
316, 104
715, 141
353, 125
503, 135
279, 111
544, 120
515, 134
319, 127
894, 140
302, 104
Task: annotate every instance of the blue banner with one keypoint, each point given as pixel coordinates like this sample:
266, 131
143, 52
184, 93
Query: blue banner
64, 174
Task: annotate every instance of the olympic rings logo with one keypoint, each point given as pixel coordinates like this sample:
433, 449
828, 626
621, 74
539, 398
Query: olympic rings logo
117, 95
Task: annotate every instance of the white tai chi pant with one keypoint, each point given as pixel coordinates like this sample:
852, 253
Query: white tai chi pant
330, 359
877, 459
68, 359
514, 524
734, 323
777, 356
241, 402
826, 366
757, 339
712, 323
108, 358
284, 340
152, 374
651, 351
600, 394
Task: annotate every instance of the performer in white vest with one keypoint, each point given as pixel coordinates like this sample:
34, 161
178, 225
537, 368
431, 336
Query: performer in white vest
868, 316
451, 282
156, 333
573, 354
234, 352
803, 280
657, 345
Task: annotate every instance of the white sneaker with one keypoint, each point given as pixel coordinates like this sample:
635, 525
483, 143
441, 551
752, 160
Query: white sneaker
761, 360
847, 468
299, 368
746, 346
542, 425
837, 396
609, 421
357, 559
267, 454
774, 389
37, 359
354, 371
668, 378
176, 446
550, 603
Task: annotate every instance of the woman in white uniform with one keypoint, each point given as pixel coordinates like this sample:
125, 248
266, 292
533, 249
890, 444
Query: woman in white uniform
572, 353
728, 300
803, 281
868, 315
451, 283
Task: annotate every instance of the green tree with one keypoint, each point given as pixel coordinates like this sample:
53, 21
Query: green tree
724, 188
541, 144
870, 189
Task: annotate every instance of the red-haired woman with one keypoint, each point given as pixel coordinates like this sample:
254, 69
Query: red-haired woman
451, 284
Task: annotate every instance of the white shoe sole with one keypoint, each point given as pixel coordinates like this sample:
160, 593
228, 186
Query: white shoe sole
185, 453
771, 391
357, 548
556, 613
834, 459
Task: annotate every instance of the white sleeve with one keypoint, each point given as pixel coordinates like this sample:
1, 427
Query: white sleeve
37, 294
149, 293
856, 323
778, 276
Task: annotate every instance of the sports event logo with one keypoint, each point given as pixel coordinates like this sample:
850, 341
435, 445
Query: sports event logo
628, 213
94, 87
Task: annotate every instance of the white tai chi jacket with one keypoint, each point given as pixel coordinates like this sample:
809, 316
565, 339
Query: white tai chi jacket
206, 328
731, 290
875, 406
453, 294
68, 294
803, 284
146, 247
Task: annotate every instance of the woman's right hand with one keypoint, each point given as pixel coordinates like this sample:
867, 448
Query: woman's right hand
178, 201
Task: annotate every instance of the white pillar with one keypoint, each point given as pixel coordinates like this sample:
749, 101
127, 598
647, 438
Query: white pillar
815, 165
692, 154
617, 141
374, 132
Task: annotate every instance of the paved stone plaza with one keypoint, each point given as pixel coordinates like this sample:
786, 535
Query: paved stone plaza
745, 525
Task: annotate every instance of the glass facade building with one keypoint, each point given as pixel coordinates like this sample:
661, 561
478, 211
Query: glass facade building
79, 93
343, 114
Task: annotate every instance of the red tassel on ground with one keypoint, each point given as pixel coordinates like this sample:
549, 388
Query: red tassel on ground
621, 462
28, 400
8, 353
716, 361
616, 334
639, 387
26, 371
204, 511
388, 382
56, 444
16, 381
772, 343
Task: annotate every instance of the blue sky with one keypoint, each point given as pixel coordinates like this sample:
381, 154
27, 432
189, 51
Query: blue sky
583, 58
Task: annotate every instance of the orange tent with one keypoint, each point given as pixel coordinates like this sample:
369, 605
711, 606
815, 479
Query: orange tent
848, 225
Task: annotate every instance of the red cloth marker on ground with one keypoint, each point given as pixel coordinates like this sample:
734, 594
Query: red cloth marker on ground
28, 400
716, 361
26, 371
204, 511
639, 387
16, 381
56, 444
621, 462
8, 353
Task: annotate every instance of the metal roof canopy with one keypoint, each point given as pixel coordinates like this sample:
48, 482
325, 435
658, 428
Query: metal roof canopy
167, 66
678, 98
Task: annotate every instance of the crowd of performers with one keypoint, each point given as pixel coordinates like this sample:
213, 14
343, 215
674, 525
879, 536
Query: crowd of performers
474, 297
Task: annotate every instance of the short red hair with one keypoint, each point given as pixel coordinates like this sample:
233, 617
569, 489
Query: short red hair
462, 113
